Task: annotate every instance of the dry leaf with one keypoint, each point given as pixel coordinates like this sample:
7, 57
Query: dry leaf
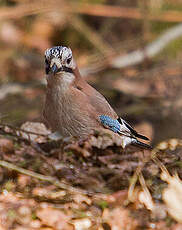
146, 199
35, 127
6, 146
82, 224
119, 218
172, 196
54, 218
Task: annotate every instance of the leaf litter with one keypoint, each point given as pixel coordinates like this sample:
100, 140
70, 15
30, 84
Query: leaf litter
98, 176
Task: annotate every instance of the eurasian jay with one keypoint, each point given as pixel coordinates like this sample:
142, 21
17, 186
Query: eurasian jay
73, 107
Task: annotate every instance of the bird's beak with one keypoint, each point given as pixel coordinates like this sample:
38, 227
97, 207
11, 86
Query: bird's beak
55, 65
54, 68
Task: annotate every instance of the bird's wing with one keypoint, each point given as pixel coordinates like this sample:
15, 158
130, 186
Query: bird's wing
123, 128
114, 125
120, 126
97, 100
101, 104
106, 115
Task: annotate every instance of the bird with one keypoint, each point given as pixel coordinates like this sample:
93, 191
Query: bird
73, 108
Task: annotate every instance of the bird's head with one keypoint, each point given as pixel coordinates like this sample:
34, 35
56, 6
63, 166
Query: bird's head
59, 59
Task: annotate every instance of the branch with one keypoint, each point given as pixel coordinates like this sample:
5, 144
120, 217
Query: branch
14, 128
137, 56
150, 50
49, 179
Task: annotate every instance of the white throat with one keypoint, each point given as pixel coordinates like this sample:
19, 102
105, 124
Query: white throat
66, 79
62, 80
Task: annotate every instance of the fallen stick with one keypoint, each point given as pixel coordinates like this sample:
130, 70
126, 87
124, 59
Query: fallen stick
49, 179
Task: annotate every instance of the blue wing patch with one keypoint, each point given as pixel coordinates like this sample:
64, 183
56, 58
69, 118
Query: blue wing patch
110, 123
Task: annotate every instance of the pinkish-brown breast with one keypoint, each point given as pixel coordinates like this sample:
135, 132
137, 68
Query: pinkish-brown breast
73, 107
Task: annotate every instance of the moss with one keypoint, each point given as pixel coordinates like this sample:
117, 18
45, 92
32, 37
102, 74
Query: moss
22, 163
37, 164
178, 164
9, 185
34, 216
79, 213
11, 213
102, 204
17, 146
70, 153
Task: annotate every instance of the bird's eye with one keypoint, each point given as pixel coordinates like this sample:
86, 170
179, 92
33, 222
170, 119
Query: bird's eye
68, 61
46, 61
47, 67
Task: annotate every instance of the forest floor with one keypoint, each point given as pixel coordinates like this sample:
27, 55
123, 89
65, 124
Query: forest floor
91, 185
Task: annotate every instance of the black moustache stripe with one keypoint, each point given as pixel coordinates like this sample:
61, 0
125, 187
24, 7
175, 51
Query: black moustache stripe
66, 69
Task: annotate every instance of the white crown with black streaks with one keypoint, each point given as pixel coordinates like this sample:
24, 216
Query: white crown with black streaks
61, 52
61, 56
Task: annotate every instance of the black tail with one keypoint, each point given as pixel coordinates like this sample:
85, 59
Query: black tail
134, 132
141, 144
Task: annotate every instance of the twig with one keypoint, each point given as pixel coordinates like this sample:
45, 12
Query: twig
12, 88
150, 50
3, 125
49, 179
13, 133
146, 193
135, 177
144, 186
138, 56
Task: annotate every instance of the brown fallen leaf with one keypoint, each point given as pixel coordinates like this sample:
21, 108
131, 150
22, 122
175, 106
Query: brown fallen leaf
82, 224
105, 139
172, 195
54, 218
35, 127
6, 146
118, 218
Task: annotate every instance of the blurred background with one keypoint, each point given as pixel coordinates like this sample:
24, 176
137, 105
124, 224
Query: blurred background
130, 50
